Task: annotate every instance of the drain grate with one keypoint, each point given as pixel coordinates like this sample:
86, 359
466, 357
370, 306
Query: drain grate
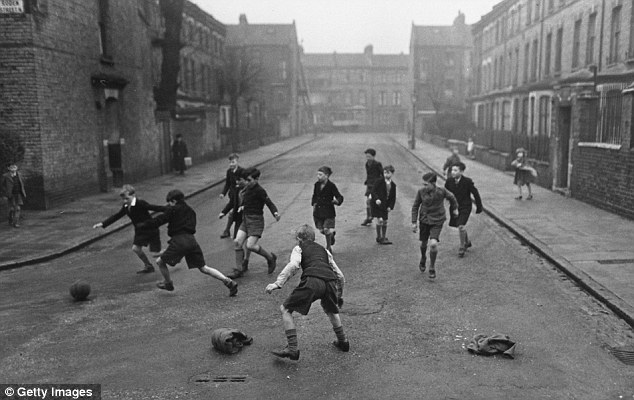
617, 261
207, 378
624, 353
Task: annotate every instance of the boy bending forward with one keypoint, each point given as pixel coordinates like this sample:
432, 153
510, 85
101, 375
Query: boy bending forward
321, 280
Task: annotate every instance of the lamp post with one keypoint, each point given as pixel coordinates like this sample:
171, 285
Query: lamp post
412, 141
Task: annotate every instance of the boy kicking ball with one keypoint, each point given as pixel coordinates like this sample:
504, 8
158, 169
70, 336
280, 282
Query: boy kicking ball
321, 280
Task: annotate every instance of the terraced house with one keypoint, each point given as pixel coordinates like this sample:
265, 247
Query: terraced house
555, 77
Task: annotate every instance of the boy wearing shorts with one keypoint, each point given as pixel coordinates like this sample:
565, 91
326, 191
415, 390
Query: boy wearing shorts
231, 189
373, 174
462, 187
321, 279
181, 227
325, 197
429, 211
383, 201
254, 198
138, 211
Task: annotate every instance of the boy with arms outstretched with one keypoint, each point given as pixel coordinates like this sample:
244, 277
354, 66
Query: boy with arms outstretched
383, 200
462, 188
321, 280
325, 197
429, 211
181, 227
138, 211
254, 198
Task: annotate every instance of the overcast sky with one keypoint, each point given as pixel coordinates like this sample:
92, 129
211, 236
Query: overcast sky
347, 26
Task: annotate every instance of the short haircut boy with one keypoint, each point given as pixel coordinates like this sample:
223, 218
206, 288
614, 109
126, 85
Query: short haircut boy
326, 170
370, 151
430, 177
460, 166
175, 195
127, 189
234, 156
252, 172
389, 168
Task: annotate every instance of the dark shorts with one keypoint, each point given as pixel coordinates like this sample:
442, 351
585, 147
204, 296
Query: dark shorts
378, 212
429, 232
253, 225
309, 290
151, 238
184, 245
15, 201
463, 217
324, 223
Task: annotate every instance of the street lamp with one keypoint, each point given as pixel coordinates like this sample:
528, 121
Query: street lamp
412, 141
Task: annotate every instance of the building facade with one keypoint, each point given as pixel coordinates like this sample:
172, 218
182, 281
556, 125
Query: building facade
358, 91
555, 77
279, 109
439, 73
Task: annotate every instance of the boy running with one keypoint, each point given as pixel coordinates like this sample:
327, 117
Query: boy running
321, 280
429, 212
451, 161
383, 200
234, 210
181, 227
374, 173
138, 211
325, 197
233, 172
254, 198
462, 188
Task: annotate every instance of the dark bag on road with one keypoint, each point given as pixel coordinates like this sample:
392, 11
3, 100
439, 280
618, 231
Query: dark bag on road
229, 341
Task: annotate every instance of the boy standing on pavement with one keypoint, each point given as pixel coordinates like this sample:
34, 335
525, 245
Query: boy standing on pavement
374, 173
462, 188
12, 187
325, 197
181, 227
138, 211
383, 200
321, 280
254, 198
429, 212
233, 172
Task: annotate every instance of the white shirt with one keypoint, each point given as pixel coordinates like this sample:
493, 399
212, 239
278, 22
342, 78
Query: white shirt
295, 264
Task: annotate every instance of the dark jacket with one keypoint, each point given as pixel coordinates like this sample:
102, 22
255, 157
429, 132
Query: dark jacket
254, 199
180, 218
138, 213
463, 191
179, 152
315, 262
231, 181
373, 171
6, 185
323, 207
379, 192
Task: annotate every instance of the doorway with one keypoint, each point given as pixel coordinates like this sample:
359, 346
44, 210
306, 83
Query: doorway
563, 167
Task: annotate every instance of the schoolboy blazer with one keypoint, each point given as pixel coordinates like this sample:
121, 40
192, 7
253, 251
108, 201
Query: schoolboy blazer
463, 191
379, 192
322, 200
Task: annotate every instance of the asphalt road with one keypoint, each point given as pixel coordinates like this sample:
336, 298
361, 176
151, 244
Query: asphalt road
408, 334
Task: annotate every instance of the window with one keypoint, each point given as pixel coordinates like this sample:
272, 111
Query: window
558, 50
396, 98
526, 58
615, 34
509, 68
549, 45
283, 72
534, 60
103, 28
225, 117
495, 74
362, 98
517, 66
592, 23
529, 11
383, 98
576, 43
610, 115
506, 116
524, 125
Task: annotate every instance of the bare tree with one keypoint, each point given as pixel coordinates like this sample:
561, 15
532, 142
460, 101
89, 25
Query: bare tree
239, 78
11, 149
165, 93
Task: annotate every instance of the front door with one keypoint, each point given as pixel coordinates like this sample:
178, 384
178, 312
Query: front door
563, 167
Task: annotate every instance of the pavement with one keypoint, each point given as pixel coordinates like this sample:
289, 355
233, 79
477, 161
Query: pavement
48, 234
591, 246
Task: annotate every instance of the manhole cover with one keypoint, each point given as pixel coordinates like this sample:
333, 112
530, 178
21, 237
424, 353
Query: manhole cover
208, 378
617, 261
624, 353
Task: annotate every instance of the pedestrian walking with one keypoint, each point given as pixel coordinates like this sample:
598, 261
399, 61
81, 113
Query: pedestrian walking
470, 148
525, 174
374, 173
463, 188
451, 160
325, 197
181, 227
321, 279
429, 212
231, 190
383, 201
12, 187
138, 211
254, 198
179, 152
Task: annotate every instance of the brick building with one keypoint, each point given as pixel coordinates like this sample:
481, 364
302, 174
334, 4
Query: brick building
439, 73
74, 85
280, 108
358, 91
555, 77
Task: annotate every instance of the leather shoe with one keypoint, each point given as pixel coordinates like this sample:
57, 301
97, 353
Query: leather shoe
272, 263
169, 286
235, 274
146, 270
343, 346
286, 353
233, 288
